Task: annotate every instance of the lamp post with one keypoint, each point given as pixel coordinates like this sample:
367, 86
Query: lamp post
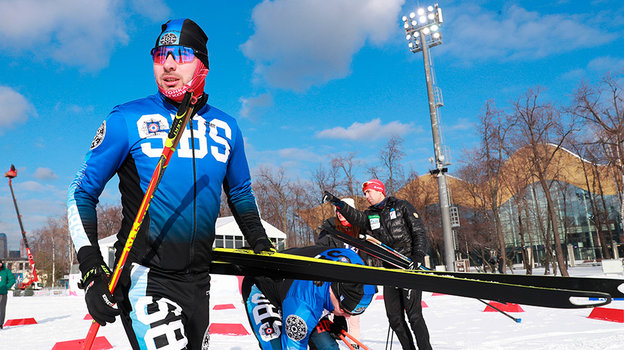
422, 32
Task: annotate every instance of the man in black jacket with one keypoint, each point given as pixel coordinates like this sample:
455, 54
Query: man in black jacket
395, 223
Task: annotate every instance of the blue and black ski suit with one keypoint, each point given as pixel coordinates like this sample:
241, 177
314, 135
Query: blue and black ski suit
168, 266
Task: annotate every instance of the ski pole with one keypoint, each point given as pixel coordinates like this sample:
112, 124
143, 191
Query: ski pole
381, 244
398, 264
342, 337
175, 133
384, 255
354, 339
388, 336
517, 320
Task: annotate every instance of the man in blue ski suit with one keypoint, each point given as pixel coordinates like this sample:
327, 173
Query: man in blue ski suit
284, 313
163, 292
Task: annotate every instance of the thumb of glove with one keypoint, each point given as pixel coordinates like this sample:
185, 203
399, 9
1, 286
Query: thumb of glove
262, 245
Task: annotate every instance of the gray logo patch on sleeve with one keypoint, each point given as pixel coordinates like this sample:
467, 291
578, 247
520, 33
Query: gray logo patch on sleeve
296, 328
99, 136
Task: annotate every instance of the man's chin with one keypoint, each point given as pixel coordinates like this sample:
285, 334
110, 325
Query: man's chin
171, 88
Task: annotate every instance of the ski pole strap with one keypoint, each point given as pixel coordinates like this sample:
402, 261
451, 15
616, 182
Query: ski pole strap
93, 273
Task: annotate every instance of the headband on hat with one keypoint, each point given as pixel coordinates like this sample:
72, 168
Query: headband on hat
353, 298
374, 184
184, 32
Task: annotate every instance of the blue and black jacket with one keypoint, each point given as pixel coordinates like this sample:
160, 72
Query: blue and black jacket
178, 230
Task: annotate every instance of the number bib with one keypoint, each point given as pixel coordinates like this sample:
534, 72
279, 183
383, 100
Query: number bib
374, 222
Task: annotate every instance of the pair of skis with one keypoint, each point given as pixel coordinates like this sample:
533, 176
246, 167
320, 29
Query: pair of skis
280, 265
613, 287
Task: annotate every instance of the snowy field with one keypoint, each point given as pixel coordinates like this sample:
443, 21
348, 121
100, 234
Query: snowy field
454, 323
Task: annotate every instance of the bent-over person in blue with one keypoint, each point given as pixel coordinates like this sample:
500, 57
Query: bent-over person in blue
284, 313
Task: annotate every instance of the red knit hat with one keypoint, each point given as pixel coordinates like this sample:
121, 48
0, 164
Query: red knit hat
374, 184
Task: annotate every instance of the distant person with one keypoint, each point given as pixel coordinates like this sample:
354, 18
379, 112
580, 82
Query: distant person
7, 280
164, 288
337, 222
396, 223
284, 313
493, 263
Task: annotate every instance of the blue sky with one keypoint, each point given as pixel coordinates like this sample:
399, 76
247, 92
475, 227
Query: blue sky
307, 79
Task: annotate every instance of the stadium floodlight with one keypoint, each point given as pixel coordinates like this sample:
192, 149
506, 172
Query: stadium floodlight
426, 21
422, 31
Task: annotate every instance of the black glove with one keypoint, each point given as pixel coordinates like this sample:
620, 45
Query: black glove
95, 280
328, 197
339, 325
262, 244
417, 262
334, 328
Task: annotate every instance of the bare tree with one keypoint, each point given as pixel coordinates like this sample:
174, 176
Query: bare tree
109, 220
50, 251
517, 181
390, 156
324, 179
595, 194
271, 190
478, 233
493, 133
348, 166
601, 108
538, 125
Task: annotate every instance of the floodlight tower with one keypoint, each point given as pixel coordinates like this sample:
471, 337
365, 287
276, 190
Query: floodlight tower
422, 32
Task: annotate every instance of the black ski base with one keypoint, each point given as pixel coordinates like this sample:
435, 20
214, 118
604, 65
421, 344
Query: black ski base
280, 265
612, 286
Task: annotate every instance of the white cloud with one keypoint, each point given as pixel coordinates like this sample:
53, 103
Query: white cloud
516, 33
33, 186
155, 10
45, 174
15, 108
597, 67
462, 124
574, 75
372, 130
73, 32
73, 109
298, 44
254, 106
299, 154
606, 64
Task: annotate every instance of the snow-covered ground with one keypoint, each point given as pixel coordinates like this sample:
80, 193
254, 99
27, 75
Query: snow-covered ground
454, 323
